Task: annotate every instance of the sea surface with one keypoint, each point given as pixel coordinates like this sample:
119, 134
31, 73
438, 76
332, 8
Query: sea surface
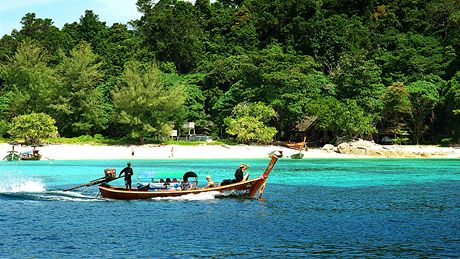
314, 208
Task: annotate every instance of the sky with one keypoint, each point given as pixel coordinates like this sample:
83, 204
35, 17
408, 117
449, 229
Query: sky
65, 11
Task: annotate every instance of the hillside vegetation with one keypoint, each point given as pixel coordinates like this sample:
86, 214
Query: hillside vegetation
247, 70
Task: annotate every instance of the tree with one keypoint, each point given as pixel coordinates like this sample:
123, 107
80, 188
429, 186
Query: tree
285, 81
447, 111
33, 127
28, 81
396, 104
330, 38
407, 57
172, 31
78, 104
359, 79
194, 104
341, 118
4, 108
204, 9
94, 31
423, 96
243, 36
248, 123
454, 94
144, 104
43, 32
122, 45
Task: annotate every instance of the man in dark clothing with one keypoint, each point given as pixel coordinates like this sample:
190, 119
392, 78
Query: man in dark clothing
239, 173
128, 171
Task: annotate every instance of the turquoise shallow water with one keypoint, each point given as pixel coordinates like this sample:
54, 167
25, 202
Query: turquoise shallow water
311, 208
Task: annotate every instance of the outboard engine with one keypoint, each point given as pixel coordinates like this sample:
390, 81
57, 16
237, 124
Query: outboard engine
110, 173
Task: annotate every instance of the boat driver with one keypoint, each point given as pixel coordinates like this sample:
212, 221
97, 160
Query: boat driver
128, 171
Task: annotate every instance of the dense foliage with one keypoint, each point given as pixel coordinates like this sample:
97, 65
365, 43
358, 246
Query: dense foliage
33, 127
248, 123
359, 68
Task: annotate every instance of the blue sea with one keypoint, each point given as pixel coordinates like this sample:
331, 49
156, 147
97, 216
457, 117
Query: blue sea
391, 208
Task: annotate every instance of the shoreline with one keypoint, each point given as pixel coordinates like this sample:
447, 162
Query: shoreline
149, 151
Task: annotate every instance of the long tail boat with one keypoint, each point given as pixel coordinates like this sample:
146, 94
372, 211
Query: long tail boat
297, 145
246, 188
31, 155
12, 155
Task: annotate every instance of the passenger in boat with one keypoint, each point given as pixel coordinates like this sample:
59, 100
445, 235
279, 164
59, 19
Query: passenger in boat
167, 183
128, 171
185, 185
239, 173
210, 182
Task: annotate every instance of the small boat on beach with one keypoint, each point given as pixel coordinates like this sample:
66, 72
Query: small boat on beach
14, 155
295, 145
297, 155
245, 188
31, 155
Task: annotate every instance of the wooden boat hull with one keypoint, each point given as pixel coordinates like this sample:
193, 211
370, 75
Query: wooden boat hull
12, 157
244, 189
35, 157
295, 145
297, 156
247, 188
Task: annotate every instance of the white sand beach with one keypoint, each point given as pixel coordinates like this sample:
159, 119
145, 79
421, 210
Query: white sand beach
83, 152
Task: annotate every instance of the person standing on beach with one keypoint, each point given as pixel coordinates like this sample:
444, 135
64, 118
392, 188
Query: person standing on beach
128, 171
239, 173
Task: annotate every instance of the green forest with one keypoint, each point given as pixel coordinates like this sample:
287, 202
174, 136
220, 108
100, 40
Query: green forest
244, 70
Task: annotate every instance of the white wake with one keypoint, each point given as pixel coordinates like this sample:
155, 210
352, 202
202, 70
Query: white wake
17, 184
192, 197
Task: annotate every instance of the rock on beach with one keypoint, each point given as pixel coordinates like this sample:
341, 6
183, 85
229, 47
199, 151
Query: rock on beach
369, 148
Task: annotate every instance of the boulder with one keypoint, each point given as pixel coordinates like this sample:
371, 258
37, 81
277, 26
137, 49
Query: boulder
358, 150
344, 148
425, 154
328, 148
375, 151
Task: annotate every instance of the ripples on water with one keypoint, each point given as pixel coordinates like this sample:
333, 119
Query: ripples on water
311, 208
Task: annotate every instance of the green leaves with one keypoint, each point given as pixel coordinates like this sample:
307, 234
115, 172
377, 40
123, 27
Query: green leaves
396, 105
248, 123
410, 56
359, 79
28, 79
423, 96
344, 118
173, 33
79, 104
284, 80
144, 105
296, 56
33, 127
